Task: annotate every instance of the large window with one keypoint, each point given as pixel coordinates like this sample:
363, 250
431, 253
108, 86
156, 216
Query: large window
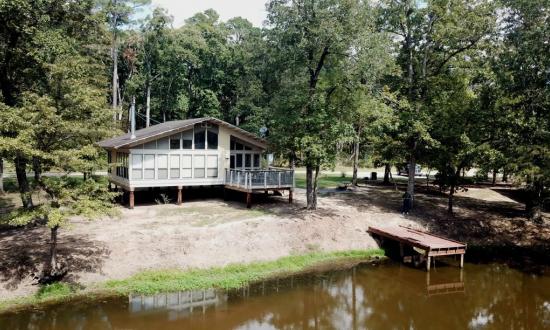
212, 139
256, 160
148, 166
163, 144
247, 160
137, 167
150, 145
186, 166
200, 138
187, 139
239, 160
162, 166
198, 166
122, 165
175, 142
212, 169
174, 166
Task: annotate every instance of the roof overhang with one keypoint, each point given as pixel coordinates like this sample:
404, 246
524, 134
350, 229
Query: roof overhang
170, 128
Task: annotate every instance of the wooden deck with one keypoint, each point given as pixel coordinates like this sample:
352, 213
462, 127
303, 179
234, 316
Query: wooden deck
429, 245
250, 181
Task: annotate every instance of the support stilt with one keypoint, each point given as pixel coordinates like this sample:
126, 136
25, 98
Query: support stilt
428, 262
180, 198
290, 196
248, 200
131, 199
461, 261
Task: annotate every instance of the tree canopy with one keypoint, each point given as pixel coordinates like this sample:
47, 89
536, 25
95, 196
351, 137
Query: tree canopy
448, 84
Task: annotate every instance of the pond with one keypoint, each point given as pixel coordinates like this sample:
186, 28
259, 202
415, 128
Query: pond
385, 296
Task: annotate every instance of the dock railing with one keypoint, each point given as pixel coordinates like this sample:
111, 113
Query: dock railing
271, 178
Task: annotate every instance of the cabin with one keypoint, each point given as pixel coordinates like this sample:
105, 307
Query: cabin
193, 152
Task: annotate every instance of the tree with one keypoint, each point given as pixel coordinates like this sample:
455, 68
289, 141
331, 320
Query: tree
428, 36
521, 70
312, 39
154, 35
363, 94
119, 14
42, 42
57, 120
67, 197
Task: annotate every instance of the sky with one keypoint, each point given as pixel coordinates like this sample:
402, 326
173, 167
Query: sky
252, 10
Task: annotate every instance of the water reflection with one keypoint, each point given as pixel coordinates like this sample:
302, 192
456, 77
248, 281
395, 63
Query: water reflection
177, 304
373, 297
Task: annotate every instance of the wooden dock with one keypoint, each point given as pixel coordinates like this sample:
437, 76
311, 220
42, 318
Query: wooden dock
428, 245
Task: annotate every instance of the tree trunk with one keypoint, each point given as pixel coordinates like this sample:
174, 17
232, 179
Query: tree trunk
410, 183
355, 162
451, 196
535, 202
53, 250
495, 171
1, 176
311, 187
37, 168
22, 181
148, 106
115, 79
504, 175
387, 173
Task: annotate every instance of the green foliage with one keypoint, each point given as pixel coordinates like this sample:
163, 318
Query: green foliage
54, 291
232, 276
67, 197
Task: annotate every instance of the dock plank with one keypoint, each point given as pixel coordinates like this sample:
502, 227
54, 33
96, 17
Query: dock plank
420, 239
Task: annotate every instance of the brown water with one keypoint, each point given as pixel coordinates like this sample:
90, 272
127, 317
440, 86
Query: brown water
388, 296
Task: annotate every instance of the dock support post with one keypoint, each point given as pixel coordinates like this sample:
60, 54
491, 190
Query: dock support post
248, 200
462, 261
180, 198
401, 250
290, 196
428, 262
131, 199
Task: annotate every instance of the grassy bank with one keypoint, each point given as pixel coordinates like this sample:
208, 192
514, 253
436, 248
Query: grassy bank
156, 281
325, 181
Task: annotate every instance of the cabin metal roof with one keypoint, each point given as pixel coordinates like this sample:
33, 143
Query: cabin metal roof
172, 127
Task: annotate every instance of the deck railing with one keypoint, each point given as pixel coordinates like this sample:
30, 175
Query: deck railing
272, 178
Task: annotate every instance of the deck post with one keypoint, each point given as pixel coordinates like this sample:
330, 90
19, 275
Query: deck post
401, 250
265, 179
131, 199
290, 196
428, 262
180, 197
462, 261
248, 200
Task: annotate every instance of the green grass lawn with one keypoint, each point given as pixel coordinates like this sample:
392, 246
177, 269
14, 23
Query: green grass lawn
325, 180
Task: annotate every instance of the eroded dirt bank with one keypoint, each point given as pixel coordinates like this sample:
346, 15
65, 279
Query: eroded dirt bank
205, 233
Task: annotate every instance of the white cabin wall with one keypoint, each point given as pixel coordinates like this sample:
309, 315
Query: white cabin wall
224, 145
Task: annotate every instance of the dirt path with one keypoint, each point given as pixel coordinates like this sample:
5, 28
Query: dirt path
215, 233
